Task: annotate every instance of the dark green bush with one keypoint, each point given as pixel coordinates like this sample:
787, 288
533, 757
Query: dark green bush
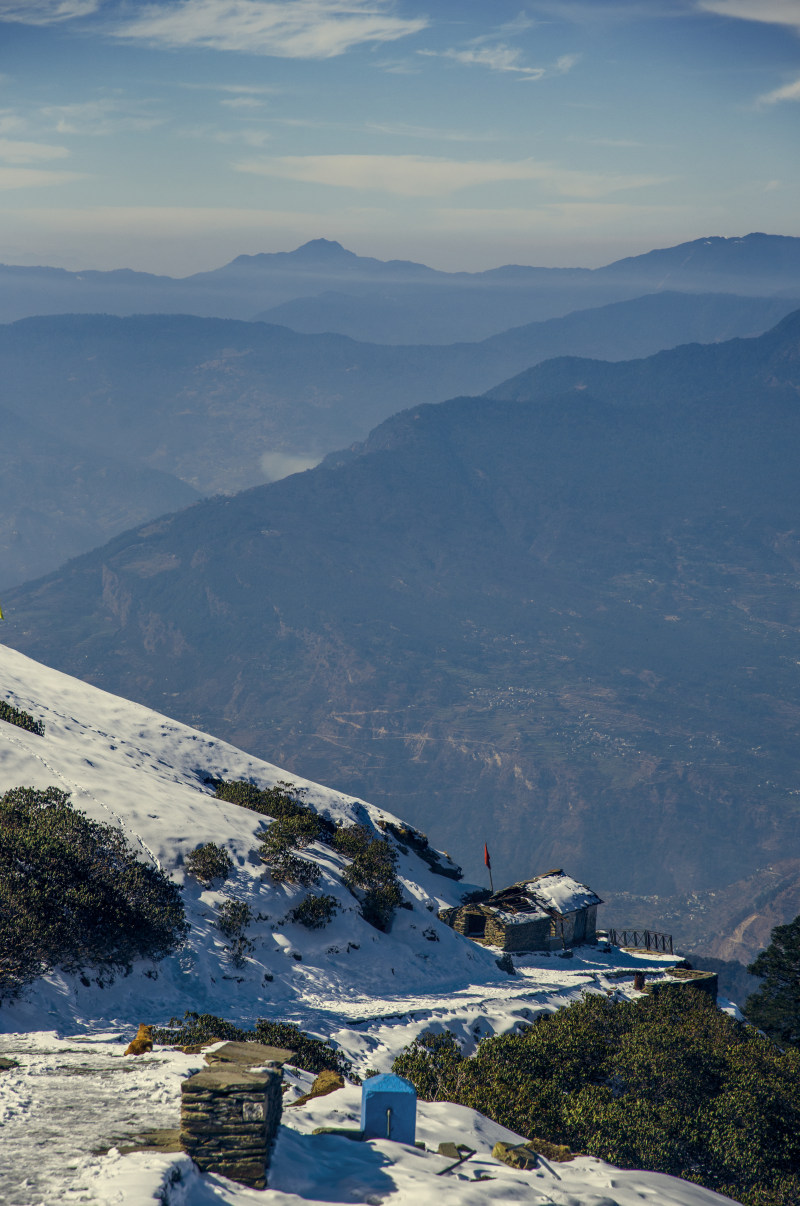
314, 912
281, 801
233, 918
73, 895
209, 862
295, 831
23, 720
351, 840
287, 868
373, 871
311, 1054
669, 1084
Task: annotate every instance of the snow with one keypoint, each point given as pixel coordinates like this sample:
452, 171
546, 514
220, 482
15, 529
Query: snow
561, 892
532, 914
75, 1093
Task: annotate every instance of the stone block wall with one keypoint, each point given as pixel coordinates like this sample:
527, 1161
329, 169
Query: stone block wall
520, 936
229, 1120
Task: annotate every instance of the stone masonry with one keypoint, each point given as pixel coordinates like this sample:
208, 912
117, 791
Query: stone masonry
229, 1120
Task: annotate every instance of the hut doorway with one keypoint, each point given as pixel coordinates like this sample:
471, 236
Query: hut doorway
475, 925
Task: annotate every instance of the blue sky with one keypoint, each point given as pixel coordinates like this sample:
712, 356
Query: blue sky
171, 136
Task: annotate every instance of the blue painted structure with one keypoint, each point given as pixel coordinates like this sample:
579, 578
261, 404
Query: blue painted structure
389, 1108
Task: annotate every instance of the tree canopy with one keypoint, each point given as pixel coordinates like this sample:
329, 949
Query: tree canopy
669, 1083
775, 1007
74, 895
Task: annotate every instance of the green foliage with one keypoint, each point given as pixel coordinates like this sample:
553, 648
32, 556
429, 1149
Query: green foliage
287, 868
23, 720
209, 862
373, 871
282, 801
669, 1084
73, 895
775, 1008
233, 918
311, 1054
351, 840
295, 826
314, 912
295, 831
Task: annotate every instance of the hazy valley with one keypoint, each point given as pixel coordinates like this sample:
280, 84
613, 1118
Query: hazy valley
566, 609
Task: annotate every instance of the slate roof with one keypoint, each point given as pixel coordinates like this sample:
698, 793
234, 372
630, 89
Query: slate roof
552, 894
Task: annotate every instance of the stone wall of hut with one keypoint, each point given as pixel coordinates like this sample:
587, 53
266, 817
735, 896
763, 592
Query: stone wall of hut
518, 936
538, 934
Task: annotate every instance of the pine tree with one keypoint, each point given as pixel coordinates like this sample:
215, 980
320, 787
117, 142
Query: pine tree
775, 1007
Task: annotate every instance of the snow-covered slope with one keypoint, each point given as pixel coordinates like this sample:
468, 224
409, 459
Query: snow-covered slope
368, 992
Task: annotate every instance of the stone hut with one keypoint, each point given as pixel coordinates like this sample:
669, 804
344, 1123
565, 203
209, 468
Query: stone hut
548, 912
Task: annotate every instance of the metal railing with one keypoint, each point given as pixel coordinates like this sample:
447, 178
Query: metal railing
648, 940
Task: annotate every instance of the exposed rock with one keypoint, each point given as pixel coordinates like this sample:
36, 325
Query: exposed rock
328, 1081
520, 1155
249, 1055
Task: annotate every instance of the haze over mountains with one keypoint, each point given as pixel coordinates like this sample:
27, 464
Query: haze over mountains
562, 618
183, 405
323, 287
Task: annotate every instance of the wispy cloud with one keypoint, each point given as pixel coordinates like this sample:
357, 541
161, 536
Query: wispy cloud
106, 115
236, 89
400, 129
21, 177
420, 176
622, 143
770, 12
14, 151
292, 29
242, 102
46, 12
492, 50
11, 122
789, 92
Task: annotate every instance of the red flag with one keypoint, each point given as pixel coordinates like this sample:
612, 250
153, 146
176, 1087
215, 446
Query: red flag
486, 858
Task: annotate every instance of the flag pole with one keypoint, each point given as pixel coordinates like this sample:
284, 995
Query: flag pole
487, 860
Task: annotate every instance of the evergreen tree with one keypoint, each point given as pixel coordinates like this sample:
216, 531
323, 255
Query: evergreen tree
775, 1008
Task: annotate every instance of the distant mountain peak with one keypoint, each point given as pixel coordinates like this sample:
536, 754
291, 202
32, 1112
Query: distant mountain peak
318, 248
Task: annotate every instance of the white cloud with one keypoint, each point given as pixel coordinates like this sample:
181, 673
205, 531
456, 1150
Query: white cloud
46, 12
242, 102
14, 151
422, 176
108, 115
790, 92
292, 29
20, 177
399, 129
238, 89
11, 122
770, 12
499, 56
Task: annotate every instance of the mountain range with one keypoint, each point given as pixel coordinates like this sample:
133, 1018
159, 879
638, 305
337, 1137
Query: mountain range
323, 287
163, 408
561, 619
